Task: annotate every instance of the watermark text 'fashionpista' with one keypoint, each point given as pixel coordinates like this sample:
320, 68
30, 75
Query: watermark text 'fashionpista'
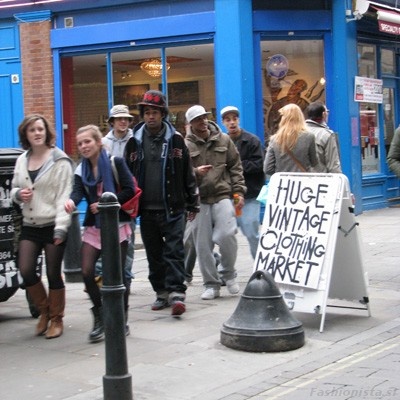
391, 393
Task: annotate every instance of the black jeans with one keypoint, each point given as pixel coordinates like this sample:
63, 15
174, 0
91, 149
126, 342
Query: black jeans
163, 240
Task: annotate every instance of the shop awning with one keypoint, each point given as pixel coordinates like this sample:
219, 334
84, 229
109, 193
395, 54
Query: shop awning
388, 18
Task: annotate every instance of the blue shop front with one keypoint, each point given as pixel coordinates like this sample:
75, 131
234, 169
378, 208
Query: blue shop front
257, 55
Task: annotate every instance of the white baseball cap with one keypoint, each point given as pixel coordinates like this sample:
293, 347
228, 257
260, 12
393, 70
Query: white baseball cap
229, 109
194, 112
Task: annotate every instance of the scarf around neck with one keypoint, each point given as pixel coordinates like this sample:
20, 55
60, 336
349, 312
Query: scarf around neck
104, 176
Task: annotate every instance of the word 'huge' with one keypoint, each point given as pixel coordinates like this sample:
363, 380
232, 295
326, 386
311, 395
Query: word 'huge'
296, 229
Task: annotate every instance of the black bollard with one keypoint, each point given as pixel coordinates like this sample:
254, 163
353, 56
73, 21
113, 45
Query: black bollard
262, 321
72, 254
117, 382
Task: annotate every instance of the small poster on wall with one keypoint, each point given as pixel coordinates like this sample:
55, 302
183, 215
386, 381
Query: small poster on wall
368, 90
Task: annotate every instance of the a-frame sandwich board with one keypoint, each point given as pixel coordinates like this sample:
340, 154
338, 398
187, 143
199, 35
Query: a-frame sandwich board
310, 242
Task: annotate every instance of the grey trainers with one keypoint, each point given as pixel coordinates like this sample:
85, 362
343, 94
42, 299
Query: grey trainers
210, 293
159, 304
232, 286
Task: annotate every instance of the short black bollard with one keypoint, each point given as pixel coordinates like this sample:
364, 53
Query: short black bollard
72, 254
117, 382
262, 321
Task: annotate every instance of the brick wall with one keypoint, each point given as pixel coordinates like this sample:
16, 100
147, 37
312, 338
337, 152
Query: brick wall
37, 69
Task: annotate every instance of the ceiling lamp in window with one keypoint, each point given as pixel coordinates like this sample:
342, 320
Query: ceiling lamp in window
153, 67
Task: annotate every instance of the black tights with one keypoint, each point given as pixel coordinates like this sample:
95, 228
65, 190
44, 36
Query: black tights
90, 255
28, 253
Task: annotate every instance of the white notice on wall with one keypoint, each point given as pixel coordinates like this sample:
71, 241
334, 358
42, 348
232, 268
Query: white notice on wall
297, 228
368, 90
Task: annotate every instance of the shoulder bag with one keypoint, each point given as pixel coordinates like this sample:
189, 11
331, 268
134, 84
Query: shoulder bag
131, 207
297, 162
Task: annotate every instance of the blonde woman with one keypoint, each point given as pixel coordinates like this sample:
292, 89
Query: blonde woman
292, 148
93, 177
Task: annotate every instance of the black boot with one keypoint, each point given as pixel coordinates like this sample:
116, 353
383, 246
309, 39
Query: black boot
127, 329
97, 332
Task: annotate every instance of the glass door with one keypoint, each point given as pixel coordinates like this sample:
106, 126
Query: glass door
293, 72
388, 116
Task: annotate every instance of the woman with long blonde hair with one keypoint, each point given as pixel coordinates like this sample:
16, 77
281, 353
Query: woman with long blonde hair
292, 148
94, 176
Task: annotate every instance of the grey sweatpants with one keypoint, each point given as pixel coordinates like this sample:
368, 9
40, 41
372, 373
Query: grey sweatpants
216, 225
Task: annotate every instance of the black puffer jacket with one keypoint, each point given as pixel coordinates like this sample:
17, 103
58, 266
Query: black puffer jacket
252, 157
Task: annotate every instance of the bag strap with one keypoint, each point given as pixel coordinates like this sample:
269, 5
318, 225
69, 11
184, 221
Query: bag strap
298, 163
116, 176
114, 169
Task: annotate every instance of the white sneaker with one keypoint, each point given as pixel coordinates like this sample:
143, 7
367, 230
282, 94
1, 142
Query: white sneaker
210, 293
232, 286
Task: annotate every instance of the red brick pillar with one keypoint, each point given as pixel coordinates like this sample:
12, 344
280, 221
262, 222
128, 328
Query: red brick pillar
37, 69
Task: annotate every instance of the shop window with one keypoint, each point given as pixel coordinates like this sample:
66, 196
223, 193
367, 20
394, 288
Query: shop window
370, 131
131, 79
191, 80
387, 62
189, 73
293, 72
367, 61
388, 121
84, 91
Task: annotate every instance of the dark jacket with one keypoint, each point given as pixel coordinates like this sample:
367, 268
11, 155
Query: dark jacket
393, 157
252, 157
125, 183
180, 190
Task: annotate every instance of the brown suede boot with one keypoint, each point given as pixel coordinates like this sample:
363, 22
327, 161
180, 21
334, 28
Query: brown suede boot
39, 297
56, 312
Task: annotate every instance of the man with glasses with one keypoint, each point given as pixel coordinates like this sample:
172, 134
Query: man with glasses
325, 139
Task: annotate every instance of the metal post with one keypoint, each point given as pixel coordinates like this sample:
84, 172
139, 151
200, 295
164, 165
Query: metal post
72, 254
117, 382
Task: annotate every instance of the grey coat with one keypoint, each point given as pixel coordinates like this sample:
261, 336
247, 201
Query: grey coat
304, 151
326, 146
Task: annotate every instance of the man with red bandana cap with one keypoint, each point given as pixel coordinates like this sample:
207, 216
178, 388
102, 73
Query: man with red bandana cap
159, 159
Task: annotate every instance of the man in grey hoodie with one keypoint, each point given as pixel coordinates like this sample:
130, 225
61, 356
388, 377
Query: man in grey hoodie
114, 142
